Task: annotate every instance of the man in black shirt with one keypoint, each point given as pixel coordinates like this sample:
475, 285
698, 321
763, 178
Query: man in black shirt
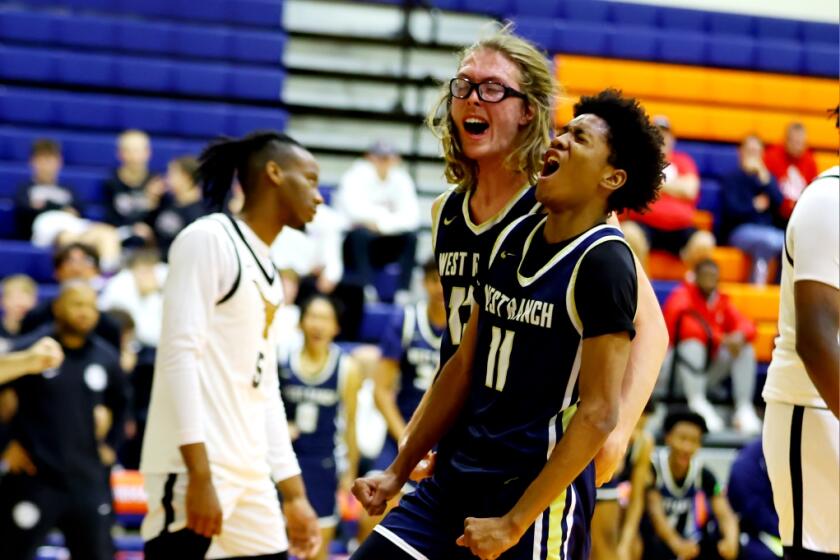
68, 422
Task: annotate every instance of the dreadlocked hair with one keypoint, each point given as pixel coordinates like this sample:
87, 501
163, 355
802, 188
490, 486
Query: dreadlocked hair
226, 158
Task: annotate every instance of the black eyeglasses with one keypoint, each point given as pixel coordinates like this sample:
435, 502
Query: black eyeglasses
489, 92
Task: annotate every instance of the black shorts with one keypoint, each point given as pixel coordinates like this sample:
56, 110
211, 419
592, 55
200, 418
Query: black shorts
671, 241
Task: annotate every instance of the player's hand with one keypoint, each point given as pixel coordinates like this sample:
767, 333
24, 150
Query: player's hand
44, 354
488, 538
609, 458
17, 460
302, 526
685, 549
204, 514
623, 550
425, 468
373, 492
728, 549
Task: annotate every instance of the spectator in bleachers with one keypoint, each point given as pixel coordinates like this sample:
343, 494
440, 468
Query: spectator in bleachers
710, 340
690, 514
793, 165
668, 225
377, 198
68, 422
18, 295
46, 211
133, 192
73, 262
751, 497
751, 206
181, 205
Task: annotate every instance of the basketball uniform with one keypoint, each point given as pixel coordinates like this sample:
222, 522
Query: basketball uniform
687, 506
220, 300
519, 405
314, 405
414, 343
801, 435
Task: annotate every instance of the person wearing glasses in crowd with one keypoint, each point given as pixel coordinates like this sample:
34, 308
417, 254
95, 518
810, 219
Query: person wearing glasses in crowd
494, 121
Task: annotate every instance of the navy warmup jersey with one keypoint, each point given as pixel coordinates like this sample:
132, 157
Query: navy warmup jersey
537, 303
413, 342
313, 404
686, 502
462, 248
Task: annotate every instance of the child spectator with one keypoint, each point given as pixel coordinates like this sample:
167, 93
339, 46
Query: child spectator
710, 340
180, 206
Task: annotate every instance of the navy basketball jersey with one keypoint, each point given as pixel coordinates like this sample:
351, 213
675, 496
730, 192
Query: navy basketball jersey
462, 248
420, 357
524, 386
313, 403
686, 503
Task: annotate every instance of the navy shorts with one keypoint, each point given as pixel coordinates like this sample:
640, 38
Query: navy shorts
429, 520
321, 481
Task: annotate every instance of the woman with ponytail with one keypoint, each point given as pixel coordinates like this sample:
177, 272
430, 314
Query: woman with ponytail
217, 432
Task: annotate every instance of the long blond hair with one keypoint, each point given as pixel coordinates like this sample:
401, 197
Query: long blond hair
537, 83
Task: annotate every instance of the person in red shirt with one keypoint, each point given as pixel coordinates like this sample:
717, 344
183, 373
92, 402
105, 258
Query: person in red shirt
669, 222
710, 340
793, 165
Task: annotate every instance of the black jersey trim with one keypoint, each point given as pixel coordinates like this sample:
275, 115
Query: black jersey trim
796, 473
270, 279
235, 285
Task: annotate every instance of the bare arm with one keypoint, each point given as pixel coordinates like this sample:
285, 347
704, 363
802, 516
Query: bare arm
384, 395
204, 513
728, 522
646, 355
43, 355
301, 519
817, 308
349, 397
639, 481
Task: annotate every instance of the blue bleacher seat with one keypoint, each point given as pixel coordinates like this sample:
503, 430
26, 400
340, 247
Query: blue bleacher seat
386, 282
75, 30
697, 151
210, 11
593, 11
779, 56
202, 79
200, 119
374, 320
489, 7
776, 28
256, 83
822, 60
722, 23
663, 288
48, 292
681, 19
151, 115
145, 74
12, 175
731, 52
16, 143
245, 120
639, 43
87, 186
538, 31
262, 13
167, 150
682, 47
144, 36
18, 63
198, 41
816, 32
31, 27
257, 46
21, 106
635, 14
710, 197
86, 69
582, 38
89, 150
721, 159
95, 212
20, 257
528, 8
87, 111
7, 219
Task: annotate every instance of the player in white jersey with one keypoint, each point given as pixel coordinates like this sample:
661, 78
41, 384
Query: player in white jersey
217, 434
801, 428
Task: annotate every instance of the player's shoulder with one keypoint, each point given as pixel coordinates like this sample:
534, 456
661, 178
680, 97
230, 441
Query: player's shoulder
819, 199
204, 232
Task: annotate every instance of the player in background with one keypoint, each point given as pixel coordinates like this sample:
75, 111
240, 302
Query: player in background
533, 391
217, 435
319, 383
494, 121
801, 429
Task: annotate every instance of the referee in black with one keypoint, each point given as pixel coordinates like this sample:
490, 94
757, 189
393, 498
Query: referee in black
63, 436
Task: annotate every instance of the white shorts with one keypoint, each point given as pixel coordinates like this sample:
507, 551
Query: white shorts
252, 524
802, 450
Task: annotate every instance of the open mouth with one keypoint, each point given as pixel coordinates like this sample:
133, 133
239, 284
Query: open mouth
476, 126
551, 163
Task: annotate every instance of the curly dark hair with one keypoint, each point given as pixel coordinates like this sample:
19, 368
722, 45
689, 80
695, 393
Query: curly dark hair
635, 146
